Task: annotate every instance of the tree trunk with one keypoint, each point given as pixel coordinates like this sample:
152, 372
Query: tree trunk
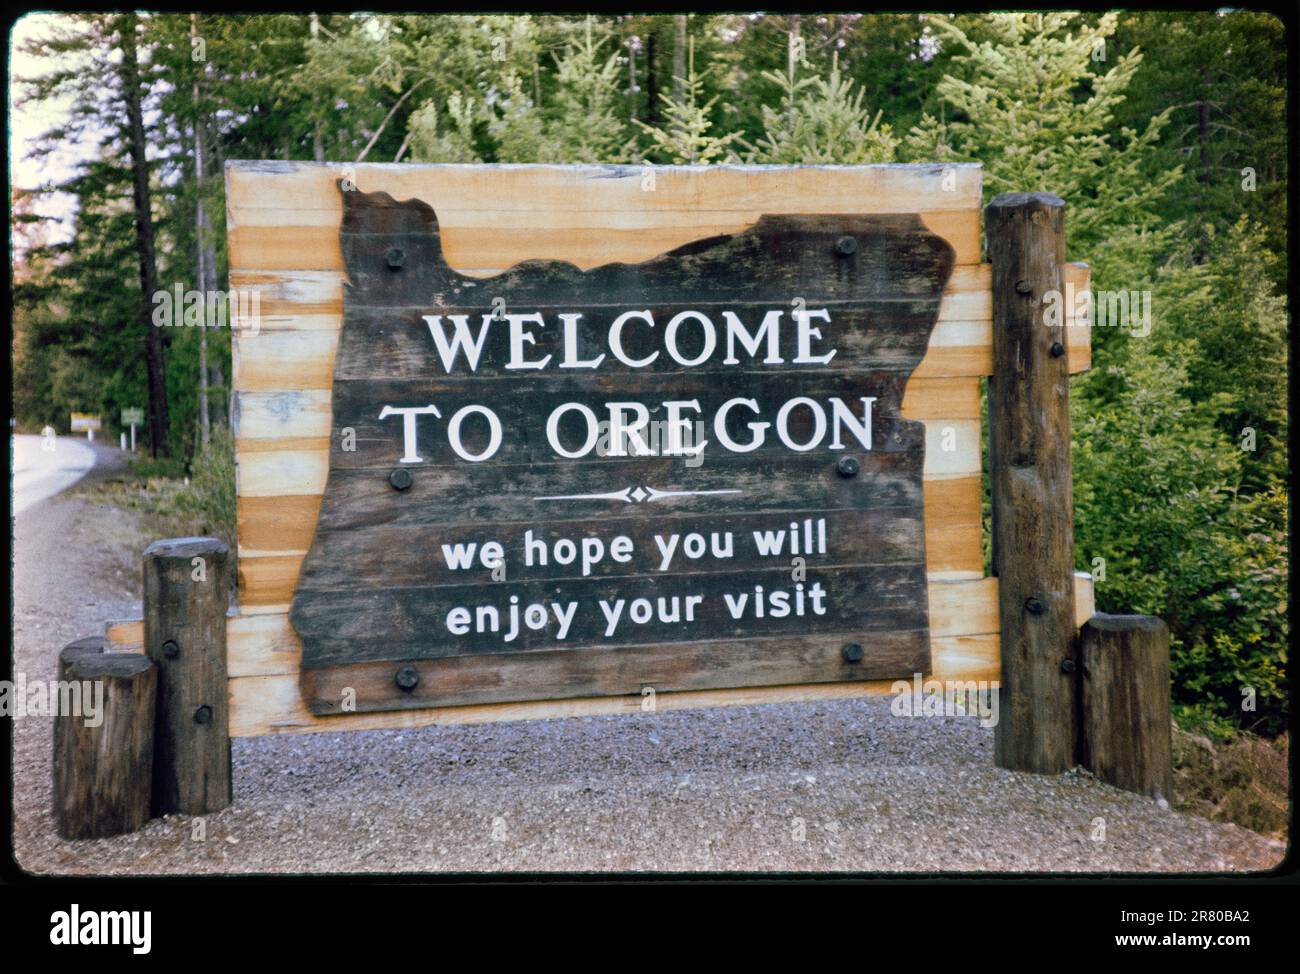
103, 771
651, 80
631, 82
218, 165
201, 243
1030, 484
1203, 158
317, 146
679, 58
1126, 707
153, 350
186, 597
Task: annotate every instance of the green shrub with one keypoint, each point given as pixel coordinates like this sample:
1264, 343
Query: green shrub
211, 498
146, 468
1156, 494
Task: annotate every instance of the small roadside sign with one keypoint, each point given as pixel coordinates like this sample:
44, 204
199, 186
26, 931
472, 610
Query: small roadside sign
89, 422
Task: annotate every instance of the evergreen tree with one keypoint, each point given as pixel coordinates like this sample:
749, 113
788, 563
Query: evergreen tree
821, 121
450, 141
581, 121
516, 124
1035, 103
1224, 312
587, 126
686, 137
1224, 74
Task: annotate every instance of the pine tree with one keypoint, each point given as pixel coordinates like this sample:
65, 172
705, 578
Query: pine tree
517, 125
686, 136
1035, 104
587, 127
821, 121
1224, 72
450, 141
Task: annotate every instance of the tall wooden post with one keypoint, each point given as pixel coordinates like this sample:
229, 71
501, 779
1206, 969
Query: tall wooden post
103, 761
1029, 470
1126, 739
186, 595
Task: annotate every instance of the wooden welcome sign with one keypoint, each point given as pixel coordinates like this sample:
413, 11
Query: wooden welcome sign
531, 440
536, 441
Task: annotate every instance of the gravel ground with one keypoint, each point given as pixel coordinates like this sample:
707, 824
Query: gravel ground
838, 786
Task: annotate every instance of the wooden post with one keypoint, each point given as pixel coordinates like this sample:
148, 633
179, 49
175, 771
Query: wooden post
103, 761
1126, 709
186, 595
1029, 470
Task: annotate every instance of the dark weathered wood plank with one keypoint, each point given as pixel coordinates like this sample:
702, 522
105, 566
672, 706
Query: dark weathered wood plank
396, 342
1126, 735
361, 439
471, 494
186, 596
413, 623
593, 671
103, 762
398, 555
896, 257
1029, 472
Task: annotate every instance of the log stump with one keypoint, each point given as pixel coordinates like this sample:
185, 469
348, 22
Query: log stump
103, 741
1126, 704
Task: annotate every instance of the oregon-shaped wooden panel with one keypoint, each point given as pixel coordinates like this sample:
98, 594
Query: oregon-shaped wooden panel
749, 513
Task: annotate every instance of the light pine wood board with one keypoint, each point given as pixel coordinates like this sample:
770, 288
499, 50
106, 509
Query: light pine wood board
273, 193
263, 701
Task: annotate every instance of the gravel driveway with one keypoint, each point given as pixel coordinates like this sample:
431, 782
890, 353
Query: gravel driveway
791, 787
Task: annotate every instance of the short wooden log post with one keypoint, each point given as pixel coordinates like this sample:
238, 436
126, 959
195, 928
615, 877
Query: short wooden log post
1126, 707
186, 595
1029, 471
103, 755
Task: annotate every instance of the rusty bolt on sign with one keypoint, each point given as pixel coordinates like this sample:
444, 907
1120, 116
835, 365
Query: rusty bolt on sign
852, 653
1034, 606
170, 649
846, 246
203, 715
396, 258
400, 478
848, 466
1024, 287
407, 678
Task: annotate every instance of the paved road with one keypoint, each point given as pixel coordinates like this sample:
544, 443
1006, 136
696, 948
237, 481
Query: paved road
44, 468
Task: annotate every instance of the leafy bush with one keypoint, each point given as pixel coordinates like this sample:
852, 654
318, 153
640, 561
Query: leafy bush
149, 468
1156, 497
211, 498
